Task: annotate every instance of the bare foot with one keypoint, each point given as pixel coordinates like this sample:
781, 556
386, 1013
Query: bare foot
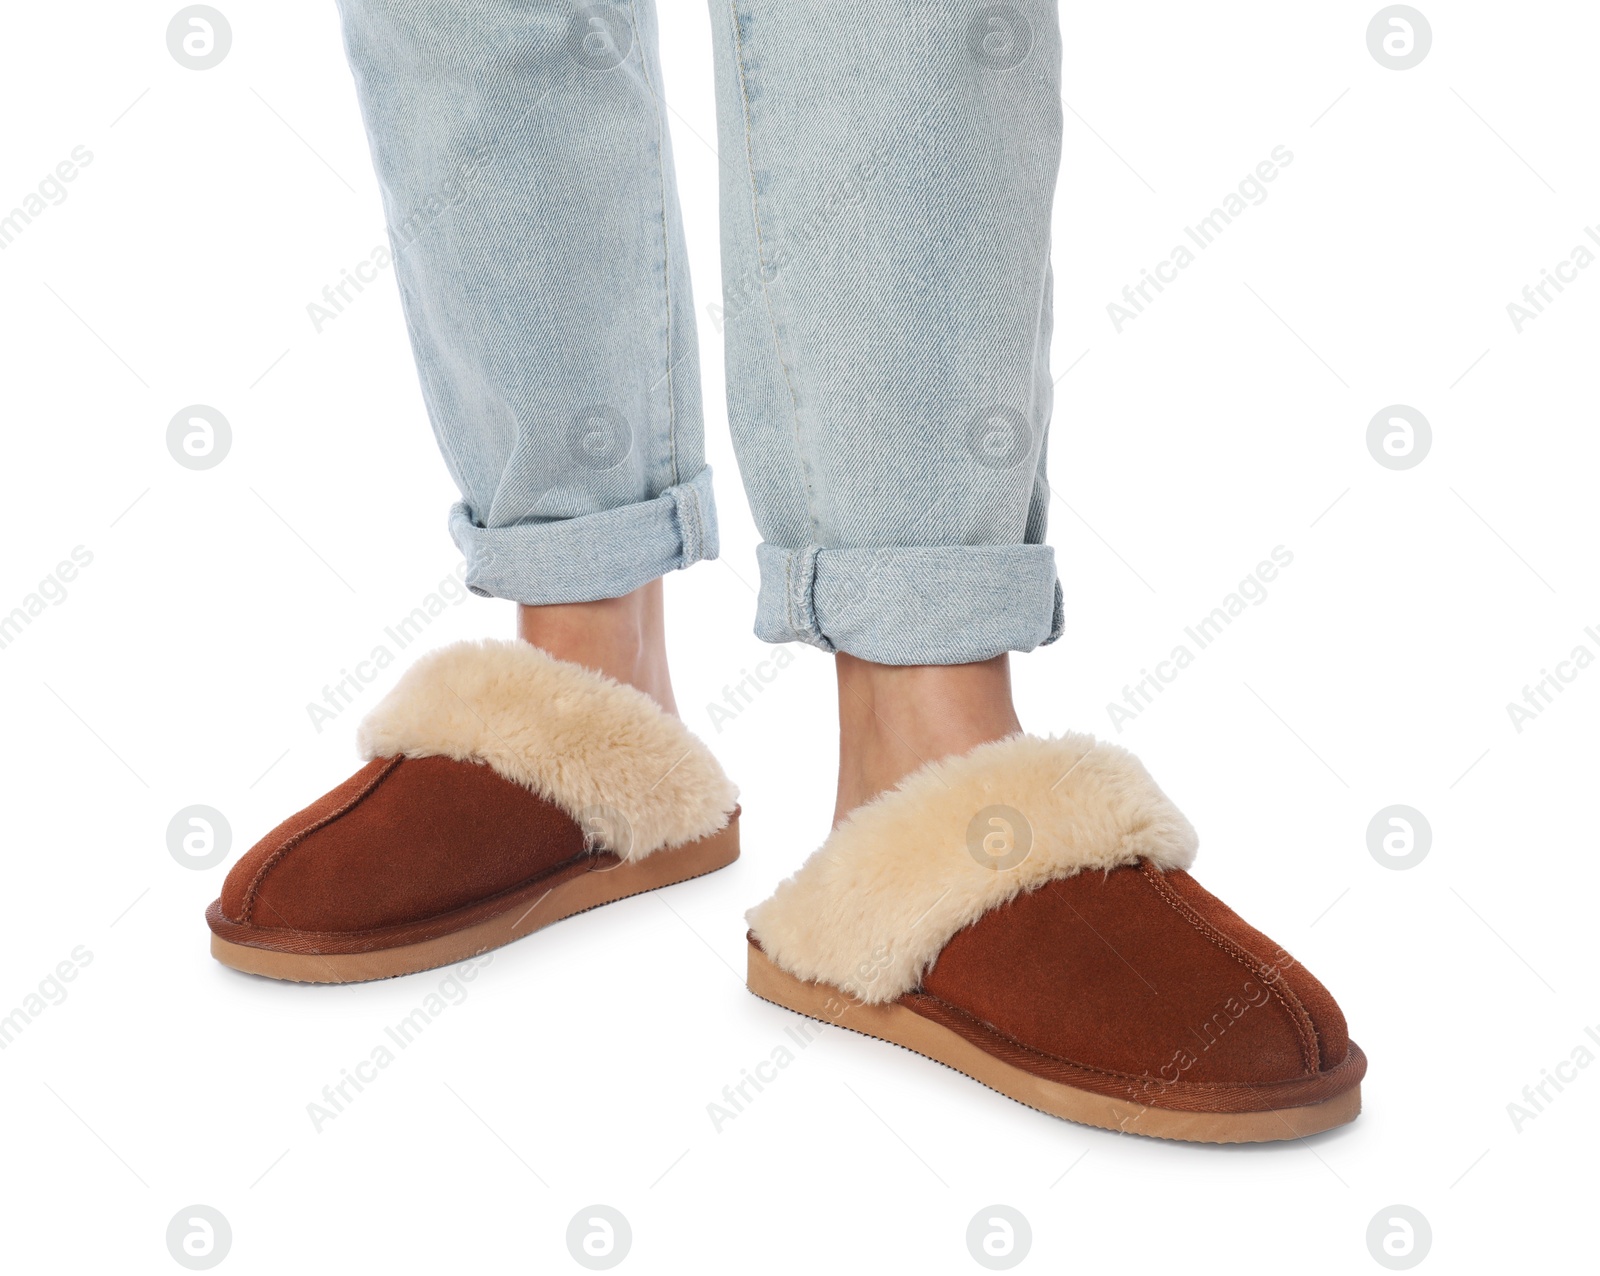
894, 719
624, 638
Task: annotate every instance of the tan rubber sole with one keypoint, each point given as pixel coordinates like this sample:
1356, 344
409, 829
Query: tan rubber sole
575, 895
906, 1028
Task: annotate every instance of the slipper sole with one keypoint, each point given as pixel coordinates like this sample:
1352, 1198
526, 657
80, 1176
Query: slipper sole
903, 1027
292, 955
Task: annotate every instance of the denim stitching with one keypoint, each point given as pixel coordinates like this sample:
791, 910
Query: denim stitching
788, 590
666, 242
813, 562
761, 255
690, 528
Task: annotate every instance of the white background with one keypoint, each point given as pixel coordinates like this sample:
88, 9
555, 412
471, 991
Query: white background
1230, 418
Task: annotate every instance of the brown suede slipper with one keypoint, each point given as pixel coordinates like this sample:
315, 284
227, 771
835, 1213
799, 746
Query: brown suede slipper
1022, 913
505, 790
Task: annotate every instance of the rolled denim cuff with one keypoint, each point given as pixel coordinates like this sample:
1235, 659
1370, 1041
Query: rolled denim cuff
934, 605
601, 555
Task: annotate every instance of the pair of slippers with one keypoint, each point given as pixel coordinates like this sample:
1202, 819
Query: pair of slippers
1022, 913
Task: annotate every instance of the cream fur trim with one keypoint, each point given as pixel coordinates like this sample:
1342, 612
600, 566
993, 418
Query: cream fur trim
590, 745
871, 910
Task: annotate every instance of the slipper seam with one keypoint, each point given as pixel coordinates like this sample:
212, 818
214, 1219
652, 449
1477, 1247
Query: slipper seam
1110, 1073
432, 917
247, 907
1305, 1029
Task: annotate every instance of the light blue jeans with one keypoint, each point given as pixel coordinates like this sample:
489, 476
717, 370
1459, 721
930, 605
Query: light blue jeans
887, 173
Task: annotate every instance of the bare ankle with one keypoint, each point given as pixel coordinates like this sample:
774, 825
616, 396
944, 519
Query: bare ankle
894, 719
623, 638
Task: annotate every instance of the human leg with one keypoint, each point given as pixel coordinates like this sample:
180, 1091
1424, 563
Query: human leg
1016, 907
527, 179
